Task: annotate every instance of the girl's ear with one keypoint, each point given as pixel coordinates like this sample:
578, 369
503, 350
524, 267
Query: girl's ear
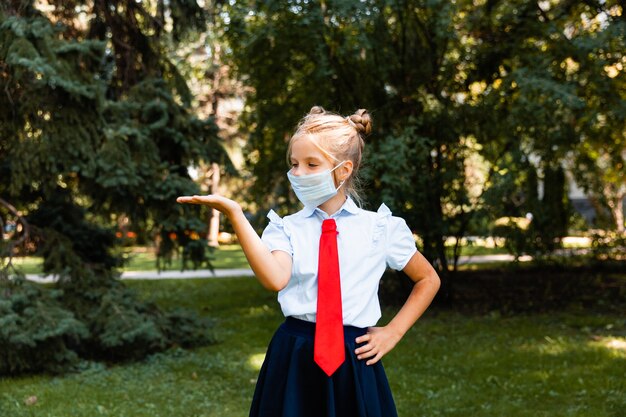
345, 170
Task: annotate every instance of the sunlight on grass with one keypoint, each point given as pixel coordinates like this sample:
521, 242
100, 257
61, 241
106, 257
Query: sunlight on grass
256, 361
552, 346
28, 264
616, 345
258, 311
559, 346
619, 344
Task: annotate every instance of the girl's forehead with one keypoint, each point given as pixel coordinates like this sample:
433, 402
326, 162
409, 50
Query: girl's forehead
304, 147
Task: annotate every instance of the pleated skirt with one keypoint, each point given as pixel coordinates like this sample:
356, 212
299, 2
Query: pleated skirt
291, 384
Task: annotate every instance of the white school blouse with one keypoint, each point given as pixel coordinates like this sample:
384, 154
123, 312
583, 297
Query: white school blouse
367, 243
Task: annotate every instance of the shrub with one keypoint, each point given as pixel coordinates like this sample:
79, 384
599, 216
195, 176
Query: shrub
51, 329
515, 232
36, 330
608, 245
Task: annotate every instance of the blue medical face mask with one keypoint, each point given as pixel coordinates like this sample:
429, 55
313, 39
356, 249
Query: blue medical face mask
314, 189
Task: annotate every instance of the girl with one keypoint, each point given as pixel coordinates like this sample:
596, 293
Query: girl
325, 262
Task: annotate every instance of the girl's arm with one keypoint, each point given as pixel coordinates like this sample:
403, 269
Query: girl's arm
272, 269
380, 340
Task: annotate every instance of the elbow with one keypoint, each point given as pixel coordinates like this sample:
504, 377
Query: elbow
275, 285
432, 280
436, 282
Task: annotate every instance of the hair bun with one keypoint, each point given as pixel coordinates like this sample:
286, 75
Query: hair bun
317, 110
362, 121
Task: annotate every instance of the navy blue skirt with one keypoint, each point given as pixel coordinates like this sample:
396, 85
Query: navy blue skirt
291, 384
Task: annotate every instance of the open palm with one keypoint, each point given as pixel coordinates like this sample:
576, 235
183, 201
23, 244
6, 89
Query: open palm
222, 204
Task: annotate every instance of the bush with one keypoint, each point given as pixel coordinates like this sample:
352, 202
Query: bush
89, 313
515, 232
51, 329
36, 330
124, 327
608, 245
516, 288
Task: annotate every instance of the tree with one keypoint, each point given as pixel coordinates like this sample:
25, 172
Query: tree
507, 81
599, 162
98, 125
552, 83
361, 54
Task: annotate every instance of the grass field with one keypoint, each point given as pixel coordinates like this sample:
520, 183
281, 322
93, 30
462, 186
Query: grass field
224, 257
144, 259
570, 363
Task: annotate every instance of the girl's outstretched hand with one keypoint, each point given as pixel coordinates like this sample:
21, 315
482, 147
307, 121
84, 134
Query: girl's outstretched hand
222, 204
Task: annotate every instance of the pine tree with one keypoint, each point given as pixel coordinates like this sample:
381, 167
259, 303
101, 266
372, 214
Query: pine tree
96, 124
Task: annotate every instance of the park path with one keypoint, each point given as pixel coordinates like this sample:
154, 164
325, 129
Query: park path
154, 274
246, 272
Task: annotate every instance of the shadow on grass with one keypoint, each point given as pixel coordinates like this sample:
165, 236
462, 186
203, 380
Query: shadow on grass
523, 288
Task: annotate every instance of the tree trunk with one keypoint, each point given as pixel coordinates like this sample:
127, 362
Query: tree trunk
617, 210
214, 220
615, 200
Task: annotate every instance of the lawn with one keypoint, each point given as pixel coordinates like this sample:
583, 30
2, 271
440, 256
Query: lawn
569, 363
144, 259
224, 257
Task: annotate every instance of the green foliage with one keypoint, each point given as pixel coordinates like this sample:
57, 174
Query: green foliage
350, 55
503, 94
56, 135
552, 90
122, 327
551, 215
608, 245
37, 333
519, 288
517, 238
119, 143
67, 240
97, 128
145, 259
181, 328
54, 329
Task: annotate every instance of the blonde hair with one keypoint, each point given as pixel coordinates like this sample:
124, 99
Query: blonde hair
338, 138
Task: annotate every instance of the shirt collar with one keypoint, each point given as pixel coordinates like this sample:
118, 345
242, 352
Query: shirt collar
349, 206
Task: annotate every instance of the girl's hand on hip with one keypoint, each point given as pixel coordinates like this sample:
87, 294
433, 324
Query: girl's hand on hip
378, 342
222, 204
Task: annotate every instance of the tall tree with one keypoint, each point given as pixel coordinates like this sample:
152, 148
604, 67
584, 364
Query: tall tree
97, 124
552, 83
598, 66
399, 60
98, 109
523, 85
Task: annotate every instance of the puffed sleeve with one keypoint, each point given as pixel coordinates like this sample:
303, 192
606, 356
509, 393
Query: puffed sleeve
275, 236
400, 243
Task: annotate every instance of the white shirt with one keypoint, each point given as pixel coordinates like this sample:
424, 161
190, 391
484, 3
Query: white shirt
367, 243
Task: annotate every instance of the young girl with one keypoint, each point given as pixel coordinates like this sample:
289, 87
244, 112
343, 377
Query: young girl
324, 360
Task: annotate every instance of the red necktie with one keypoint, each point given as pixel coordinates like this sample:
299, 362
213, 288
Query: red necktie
329, 348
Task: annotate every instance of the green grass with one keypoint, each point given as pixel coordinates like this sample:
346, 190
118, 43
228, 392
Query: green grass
144, 259
477, 250
28, 264
561, 364
224, 257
